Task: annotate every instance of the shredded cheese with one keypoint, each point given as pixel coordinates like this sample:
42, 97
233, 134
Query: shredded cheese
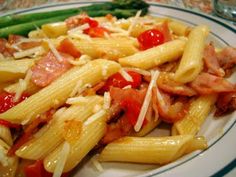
96, 163
79, 28
134, 21
138, 70
62, 160
97, 108
54, 50
22, 86
78, 35
94, 117
126, 75
127, 87
29, 52
81, 61
77, 100
146, 102
76, 88
107, 100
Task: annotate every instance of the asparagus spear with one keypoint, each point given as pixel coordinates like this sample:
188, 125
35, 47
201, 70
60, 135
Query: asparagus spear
116, 4
24, 28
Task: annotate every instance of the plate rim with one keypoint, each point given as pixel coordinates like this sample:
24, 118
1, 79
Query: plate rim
203, 15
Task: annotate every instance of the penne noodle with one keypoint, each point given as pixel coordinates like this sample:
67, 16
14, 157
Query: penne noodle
191, 62
58, 91
93, 130
112, 48
193, 120
155, 56
14, 69
31, 88
5, 135
152, 150
179, 28
36, 148
8, 165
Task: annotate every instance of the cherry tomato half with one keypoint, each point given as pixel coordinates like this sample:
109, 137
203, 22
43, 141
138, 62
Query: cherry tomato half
117, 80
150, 38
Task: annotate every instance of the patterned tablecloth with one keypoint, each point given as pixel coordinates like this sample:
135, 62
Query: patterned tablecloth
201, 5
204, 6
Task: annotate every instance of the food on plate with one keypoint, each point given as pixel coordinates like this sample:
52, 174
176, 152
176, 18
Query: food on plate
92, 84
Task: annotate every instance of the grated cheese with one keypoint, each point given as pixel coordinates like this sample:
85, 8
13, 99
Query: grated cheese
77, 100
138, 70
79, 28
76, 88
127, 87
28, 52
94, 117
97, 108
146, 102
134, 21
78, 35
81, 61
126, 75
107, 100
62, 160
22, 86
54, 50
97, 164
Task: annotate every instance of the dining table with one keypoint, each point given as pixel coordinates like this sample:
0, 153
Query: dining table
202, 6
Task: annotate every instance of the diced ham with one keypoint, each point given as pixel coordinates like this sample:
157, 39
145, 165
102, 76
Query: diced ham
169, 110
164, 28
227, 59
167, 83
211, 61
226, 103
206, 83
49, 68
5, 50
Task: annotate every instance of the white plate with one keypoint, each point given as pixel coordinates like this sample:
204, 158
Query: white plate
219, 132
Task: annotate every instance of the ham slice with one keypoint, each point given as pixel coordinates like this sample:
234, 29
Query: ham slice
206, 83
49, 68
211, 61
226, 103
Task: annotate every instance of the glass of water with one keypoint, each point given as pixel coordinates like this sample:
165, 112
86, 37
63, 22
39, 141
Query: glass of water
225, 9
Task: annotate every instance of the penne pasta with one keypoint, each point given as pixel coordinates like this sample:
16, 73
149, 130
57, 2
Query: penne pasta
92, 131
155, 56
8, 165
179, 28
59, 91
36, 148
191, 62
31, 88
198, 111
112, 48
5, 135
152, 150
14, 69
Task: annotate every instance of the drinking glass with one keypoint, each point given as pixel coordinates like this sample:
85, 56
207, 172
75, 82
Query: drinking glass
225, 9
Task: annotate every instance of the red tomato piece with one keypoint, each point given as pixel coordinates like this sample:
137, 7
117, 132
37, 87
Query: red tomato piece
6, 100
164, 29
132, 109
150, 38
37, 170
92, 23
117, 80
66, 46
97, 31
9, 124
